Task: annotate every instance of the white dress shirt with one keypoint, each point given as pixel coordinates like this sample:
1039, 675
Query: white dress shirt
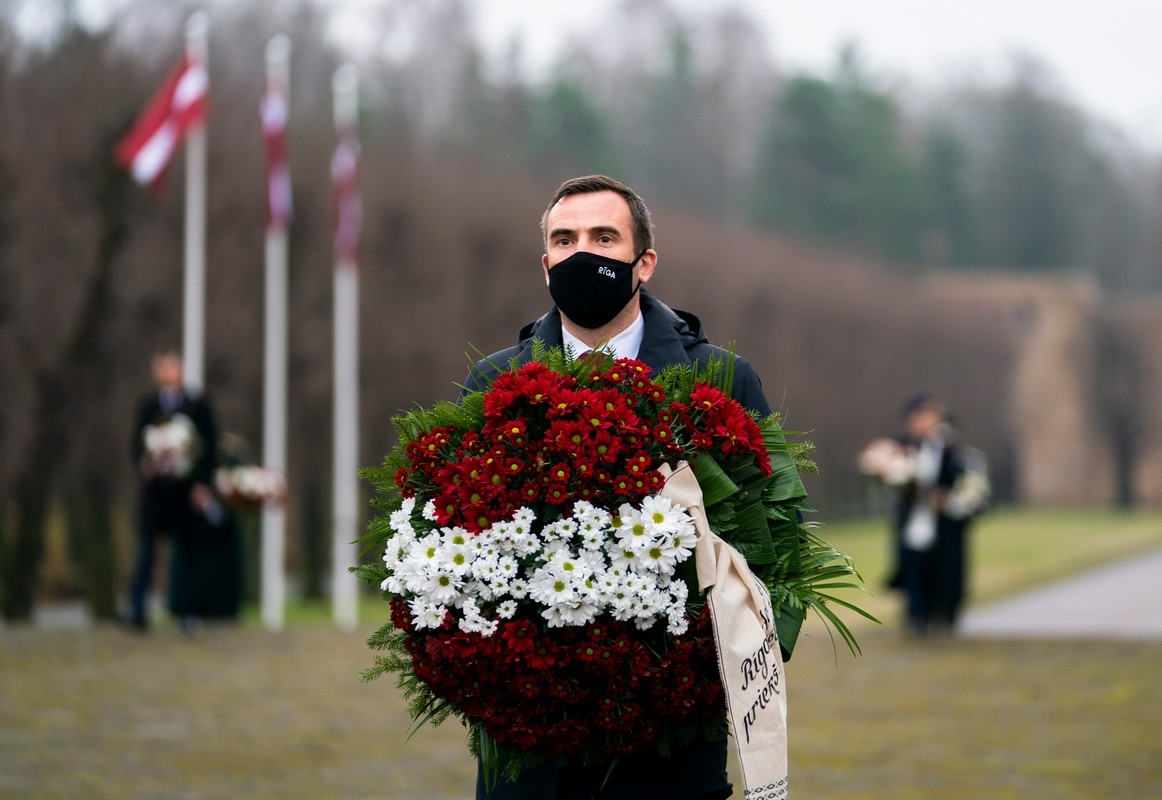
625, 345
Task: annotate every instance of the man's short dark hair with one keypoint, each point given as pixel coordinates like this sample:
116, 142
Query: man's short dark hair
167, 351
643, 226
923, 401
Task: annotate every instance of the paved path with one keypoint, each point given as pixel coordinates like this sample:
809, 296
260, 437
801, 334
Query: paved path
1122, 600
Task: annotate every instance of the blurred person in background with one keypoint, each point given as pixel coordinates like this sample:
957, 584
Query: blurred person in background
174, 442
941, 486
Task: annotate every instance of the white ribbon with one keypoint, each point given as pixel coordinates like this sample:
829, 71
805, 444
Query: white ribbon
749, 658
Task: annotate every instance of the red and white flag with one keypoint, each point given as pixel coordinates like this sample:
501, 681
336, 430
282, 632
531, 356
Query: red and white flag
348, 203
178, 106
273, 110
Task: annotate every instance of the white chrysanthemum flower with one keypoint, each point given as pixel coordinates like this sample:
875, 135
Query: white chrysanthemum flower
425, 613
568, 565
582, 509
677, 623
507, 566
401, 523
470, 624
425, 550
500, 530
552, 615
498, 588
395, 552
560, 530
456, 557
486, 545
592, 538
524, 545
608, 583
592, 591
632, 533
637, 584
518, 588
443, 586
661, 514
481, 625
684, 540
548, 550
616, 572
623, 558
622, 609
589, 515
523, 520
486, 569
653, 604
593, 560
551, 587
475, 622
429, 511
414, 567
493, 593
571, 614
456, 536
507, 609
659, 558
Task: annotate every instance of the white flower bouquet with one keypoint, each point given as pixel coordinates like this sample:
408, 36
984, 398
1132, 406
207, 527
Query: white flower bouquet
889, 461
249, 486
172, 447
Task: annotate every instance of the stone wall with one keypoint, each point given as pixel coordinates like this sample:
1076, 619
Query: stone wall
1084, 406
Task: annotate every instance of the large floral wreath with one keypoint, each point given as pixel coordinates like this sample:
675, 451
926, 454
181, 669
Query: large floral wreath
539, 587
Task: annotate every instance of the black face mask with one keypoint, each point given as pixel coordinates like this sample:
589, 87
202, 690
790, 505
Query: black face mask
590, 289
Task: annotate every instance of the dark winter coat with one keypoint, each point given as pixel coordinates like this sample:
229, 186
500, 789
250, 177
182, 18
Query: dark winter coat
671, 338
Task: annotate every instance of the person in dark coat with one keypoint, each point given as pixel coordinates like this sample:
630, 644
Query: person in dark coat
933, 515
599, 252
173, 449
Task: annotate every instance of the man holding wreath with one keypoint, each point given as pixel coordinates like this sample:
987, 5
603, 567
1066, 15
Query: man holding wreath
599, 254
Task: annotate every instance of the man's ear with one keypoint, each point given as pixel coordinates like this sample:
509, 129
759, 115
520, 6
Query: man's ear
645, 266
545, 267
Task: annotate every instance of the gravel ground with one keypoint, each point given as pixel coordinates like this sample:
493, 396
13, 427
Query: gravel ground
238, 712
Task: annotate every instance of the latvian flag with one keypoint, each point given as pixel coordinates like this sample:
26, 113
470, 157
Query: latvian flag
179, 105
273, 110
348, 204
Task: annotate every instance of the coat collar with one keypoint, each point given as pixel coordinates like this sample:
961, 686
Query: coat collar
667, 335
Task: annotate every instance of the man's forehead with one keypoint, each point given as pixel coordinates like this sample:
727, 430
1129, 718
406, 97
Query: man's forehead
601, 209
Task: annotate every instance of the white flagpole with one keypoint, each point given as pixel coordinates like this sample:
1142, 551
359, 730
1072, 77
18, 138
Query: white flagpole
274, 399
194, 303
344, 586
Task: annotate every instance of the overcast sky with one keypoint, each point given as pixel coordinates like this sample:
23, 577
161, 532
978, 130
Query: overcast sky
1103, 52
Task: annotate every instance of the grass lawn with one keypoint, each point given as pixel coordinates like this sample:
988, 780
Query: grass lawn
238, 712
